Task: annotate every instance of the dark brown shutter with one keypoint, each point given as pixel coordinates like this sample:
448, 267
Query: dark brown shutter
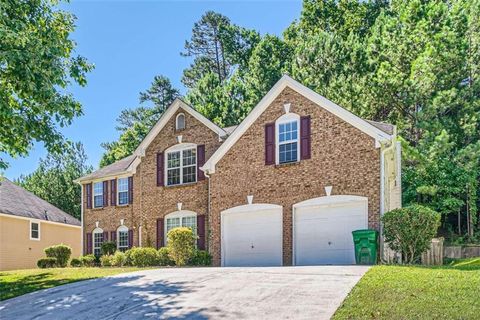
160, 181
160, 233
201, 232
88, 191
105, 236
113, 236
89, 243
105, 193
305, 133
200, 161
130, 238
270, 143
113, 192
130, 190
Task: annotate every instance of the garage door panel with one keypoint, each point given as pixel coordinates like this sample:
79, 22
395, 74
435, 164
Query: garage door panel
323, 234
252, 238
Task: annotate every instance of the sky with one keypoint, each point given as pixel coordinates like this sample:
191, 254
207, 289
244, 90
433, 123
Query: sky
130, 42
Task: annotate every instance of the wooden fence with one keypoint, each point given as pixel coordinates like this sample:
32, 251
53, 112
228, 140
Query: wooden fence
434, 256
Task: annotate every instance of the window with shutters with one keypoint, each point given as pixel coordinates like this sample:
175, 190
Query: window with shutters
180, 122
122, 190
181, 164
183, 218
97, 235
122, 238
287, 138
98, 194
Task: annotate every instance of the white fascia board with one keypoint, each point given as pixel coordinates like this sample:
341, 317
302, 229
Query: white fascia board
255, 207
323, 102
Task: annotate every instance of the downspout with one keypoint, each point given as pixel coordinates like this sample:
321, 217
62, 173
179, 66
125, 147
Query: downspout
207, 237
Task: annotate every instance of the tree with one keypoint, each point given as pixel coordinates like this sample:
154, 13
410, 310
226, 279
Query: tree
53, 179
207, 48
134, 124
37, 65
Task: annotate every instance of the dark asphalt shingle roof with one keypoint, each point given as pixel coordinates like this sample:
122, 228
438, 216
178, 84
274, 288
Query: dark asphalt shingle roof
16, 201
114, 168
385, 127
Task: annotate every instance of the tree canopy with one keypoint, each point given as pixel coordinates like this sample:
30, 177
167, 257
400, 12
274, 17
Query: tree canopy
37, 65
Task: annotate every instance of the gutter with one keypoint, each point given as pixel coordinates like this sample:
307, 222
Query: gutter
81, 218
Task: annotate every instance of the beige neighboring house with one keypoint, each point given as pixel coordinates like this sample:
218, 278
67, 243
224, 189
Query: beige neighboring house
28, 225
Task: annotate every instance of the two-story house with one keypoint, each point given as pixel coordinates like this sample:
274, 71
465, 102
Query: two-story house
286, 186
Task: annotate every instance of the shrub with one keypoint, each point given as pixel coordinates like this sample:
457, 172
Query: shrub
60, 252
89, 260
410, 230
119, 259
142, 257
106, 260
47, 263
181, 245
164, 258
200, 258
76, 262
108, 248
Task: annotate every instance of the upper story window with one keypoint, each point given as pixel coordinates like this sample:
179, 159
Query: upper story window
34, 230
98, 194
97, 241
122, 190
287, 138
182, 165
180, 122
122, 238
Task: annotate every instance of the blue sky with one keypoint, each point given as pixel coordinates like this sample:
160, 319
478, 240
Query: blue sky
130, 42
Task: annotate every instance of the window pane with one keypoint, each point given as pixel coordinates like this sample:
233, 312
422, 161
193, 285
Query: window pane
98, 201
190, 222
98, 188
172, 223
189, 157
122, 184
288, 152
34, 233
180, 122
173, 159
97, 243
122, 198
173, 176
123, 240
189, 174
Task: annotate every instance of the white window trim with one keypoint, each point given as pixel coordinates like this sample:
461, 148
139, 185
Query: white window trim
96, 230
178, 214
93, 194
118, 191
286, 118
180, 148
184, 121
122, 229
39, 234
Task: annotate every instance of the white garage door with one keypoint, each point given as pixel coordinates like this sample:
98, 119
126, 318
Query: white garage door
252, 235
323, 229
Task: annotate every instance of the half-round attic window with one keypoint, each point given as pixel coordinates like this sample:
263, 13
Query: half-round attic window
180, 123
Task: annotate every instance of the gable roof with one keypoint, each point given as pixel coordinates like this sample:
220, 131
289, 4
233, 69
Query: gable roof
177, 104
119, 167
361, 124
16, 201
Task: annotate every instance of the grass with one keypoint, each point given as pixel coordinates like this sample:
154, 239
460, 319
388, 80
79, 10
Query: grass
408, 292
18, 282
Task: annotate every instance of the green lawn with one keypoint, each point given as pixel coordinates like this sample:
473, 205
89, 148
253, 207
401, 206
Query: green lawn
400, 292
18, 282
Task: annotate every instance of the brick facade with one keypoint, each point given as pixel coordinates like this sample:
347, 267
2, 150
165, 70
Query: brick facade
342, 156
151, 201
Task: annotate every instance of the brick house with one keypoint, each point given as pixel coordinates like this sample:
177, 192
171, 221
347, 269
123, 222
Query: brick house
285, 187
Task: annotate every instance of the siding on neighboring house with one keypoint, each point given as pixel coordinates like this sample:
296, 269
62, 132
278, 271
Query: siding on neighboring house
341, 156
18, 251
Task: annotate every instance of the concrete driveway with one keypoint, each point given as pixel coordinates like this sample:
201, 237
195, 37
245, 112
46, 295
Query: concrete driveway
195, 293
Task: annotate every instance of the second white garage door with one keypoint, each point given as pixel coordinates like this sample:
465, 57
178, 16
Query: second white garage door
252, 235
323, 229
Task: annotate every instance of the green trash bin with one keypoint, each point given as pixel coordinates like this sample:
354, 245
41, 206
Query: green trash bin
366, 246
